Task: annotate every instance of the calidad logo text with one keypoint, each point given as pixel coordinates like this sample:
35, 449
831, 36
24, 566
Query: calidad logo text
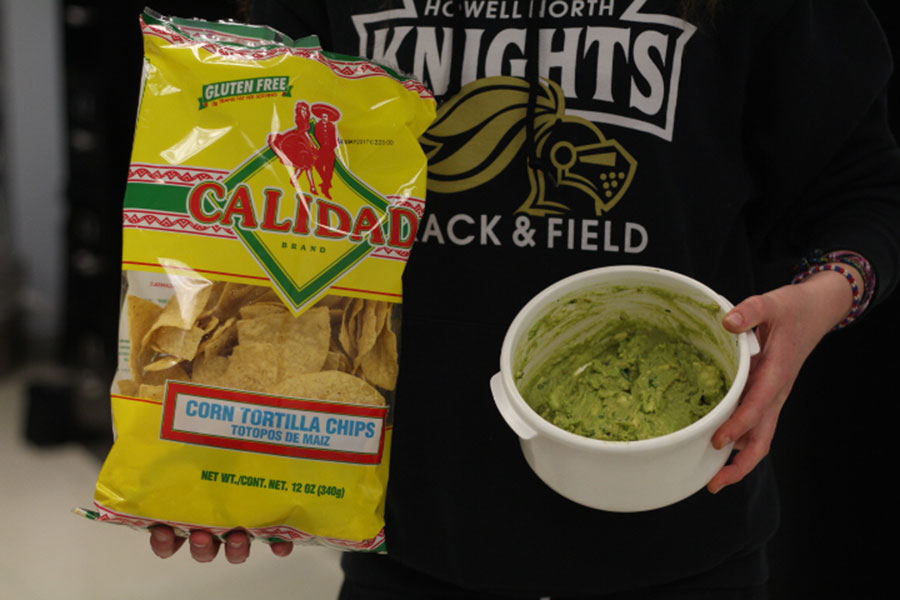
211, 202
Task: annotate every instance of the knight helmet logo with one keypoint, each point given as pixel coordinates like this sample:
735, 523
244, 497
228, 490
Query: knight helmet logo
483, 128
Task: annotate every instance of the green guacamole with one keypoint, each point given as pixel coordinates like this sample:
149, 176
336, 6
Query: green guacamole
633, 381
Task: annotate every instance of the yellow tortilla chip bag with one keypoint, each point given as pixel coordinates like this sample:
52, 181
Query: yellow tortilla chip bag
273, 197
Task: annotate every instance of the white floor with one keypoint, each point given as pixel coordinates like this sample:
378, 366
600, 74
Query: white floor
50, 553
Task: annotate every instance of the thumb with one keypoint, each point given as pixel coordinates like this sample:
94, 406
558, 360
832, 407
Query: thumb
745, 316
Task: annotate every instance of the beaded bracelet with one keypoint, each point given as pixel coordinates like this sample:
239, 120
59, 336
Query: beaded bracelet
820, 261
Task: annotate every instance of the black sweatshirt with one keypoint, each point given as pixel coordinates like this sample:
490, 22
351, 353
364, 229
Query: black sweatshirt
584, 134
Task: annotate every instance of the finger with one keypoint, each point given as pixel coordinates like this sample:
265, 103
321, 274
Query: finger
748, 314
282, 548
204, 546
237, 547
754, 447
744, 462
762, 395
163, 541
765, 393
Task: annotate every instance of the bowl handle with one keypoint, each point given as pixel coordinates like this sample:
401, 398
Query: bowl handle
752, 342
514, 421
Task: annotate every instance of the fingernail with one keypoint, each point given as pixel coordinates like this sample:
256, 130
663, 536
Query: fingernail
734, 319
235, 543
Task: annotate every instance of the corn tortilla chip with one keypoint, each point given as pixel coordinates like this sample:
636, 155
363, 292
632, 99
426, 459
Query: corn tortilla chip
243, 337
178, 342
152, 392
128, 387
176, 373
183, 308
380, 366
329, 385
251, 367
337, 361
142, 314
209, 370
163, 364
221, 340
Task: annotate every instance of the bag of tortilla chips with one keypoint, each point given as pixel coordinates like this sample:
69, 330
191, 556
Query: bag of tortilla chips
273, 197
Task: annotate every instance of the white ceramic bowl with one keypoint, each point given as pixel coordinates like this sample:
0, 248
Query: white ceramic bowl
613, 475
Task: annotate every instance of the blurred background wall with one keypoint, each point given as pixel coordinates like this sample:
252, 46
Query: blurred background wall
32, 171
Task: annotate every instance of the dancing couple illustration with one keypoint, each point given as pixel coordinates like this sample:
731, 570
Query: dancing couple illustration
310, 146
